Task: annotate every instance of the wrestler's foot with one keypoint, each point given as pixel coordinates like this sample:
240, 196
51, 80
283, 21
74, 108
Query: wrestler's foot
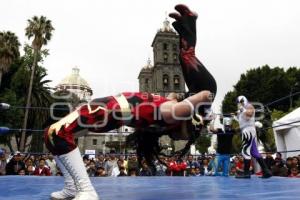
87, 195
266, 172
75, 166
63, 195
69, 190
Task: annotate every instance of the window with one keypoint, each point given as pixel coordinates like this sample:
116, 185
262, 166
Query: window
165, 46
94, 142
175, 57
165, 80
174, 47
176, 82
166, 57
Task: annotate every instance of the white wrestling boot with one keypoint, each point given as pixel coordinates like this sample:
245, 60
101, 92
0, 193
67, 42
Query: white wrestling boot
69, 190
75, 166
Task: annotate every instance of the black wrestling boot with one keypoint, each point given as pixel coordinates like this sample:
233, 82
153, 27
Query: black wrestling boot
265, 170
246, 173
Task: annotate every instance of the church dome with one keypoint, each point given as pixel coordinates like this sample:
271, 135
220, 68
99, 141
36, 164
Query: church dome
76, 84
74, 79
148, 65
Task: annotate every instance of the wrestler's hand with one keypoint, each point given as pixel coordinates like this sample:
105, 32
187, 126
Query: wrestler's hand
185, 25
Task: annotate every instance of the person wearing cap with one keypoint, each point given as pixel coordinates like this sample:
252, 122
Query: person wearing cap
15, 164
224, 145
2, 162
246, 119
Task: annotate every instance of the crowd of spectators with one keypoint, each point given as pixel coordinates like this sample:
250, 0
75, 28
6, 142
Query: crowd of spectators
119, 165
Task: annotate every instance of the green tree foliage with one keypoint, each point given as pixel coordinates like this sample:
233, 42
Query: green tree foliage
265, 84
14, 92
202, 143
9, 51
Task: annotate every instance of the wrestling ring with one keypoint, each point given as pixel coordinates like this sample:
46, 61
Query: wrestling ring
157, 188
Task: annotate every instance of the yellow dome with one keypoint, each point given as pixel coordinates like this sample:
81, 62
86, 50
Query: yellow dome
75, 79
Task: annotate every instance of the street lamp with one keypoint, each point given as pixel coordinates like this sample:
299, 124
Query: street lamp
291, 94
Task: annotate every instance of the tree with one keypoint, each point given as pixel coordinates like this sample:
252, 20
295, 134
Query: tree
17, 81
9, 51
41, 29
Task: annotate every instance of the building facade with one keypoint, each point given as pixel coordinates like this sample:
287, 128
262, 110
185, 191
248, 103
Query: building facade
165, 75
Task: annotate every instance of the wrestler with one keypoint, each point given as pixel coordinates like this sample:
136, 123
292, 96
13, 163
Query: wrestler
246, 119
138, 110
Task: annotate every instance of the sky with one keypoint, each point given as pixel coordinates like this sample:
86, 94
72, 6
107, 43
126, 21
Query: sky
110, 41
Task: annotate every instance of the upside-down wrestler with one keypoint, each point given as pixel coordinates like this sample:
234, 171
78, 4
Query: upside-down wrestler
138, 110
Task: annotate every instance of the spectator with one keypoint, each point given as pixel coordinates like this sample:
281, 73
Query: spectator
58, 173
110, 164
30, 170
100, 161
239, 165
100, 172
145, 171
29, 162
269, 160
132, 164
91, 168
116, 170
52, 164
295, 162
177, 167
2, 162
42, 169
197, 171
86, 160
212, 165
289, 163
160, 167
122, 171
124, 162
21, 172
294, 173
232, 170
132, 173
205, 168
15, 164
191, 164
278, 169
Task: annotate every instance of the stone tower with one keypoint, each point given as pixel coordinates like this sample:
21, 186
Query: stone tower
165, 75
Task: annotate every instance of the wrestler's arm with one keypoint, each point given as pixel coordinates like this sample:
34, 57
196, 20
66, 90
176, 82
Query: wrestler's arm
173, 111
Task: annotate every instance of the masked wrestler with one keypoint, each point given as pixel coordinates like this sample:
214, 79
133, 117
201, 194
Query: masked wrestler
246, 119
138, 110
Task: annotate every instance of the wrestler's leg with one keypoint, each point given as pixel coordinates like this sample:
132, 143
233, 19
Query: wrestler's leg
69, 190
196, 76
59, 139
254, 152
246, 153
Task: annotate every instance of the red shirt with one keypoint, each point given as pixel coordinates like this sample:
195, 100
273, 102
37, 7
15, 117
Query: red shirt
45, 171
